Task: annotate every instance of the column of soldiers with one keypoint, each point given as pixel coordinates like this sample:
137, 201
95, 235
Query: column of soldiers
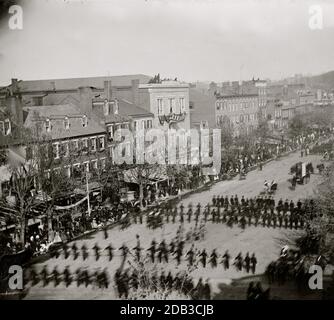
164, 252
81, 276
258, 211
180, 283
124, 281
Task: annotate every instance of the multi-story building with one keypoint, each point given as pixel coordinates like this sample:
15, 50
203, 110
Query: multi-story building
202, 109
73, 136
239, 111
168, 101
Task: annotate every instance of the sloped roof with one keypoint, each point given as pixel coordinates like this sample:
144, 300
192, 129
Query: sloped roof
74, 83
130, 109
56, 114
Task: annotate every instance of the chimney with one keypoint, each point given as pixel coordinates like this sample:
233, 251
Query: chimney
86, 103
135, 91
14, 103
108, 89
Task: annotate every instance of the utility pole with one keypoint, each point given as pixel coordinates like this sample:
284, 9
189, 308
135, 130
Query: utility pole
87, 187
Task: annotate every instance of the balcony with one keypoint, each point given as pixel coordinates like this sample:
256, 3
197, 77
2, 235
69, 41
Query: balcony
172, 118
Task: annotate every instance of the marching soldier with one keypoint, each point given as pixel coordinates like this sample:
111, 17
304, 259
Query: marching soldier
151, 249
105, 231
137, 248
110, 250
238, 261
189, 214
45, 276
178, 253
125, 252
253, 263
65, 250
55, 276
197, 214
213, 258
203, 256
247, 262
33, 276
190, 254
75, 251
226, 260
96, 249
84, 252
67, 276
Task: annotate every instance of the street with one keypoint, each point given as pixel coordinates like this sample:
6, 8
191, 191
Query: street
264, 242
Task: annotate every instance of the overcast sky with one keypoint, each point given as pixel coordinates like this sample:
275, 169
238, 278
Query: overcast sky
192, 40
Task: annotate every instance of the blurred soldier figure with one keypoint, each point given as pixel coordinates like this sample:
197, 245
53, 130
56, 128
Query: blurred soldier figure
96, 249
67, 276
110, 250
253, 263
226, 260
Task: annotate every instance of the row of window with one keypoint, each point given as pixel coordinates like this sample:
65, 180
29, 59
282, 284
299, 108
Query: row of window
243, 118
112, 128
66, 123
77, 169
91, 144
142, 124
232, 106
171, 105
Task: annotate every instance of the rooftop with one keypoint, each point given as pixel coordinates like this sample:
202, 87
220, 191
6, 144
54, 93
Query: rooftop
130, 109
74, 83
57, 114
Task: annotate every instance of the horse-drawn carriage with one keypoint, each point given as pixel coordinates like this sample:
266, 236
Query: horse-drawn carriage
302, 171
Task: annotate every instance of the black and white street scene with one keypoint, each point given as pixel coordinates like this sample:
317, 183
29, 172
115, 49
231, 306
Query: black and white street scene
166, 150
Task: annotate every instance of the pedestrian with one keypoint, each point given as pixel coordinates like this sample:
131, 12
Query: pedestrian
105, 232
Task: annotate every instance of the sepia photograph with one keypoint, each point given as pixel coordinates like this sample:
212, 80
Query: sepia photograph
166, 150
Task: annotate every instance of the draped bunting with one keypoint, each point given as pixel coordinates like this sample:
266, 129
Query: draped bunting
71, 205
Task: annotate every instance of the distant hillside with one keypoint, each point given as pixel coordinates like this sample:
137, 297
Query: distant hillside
323, 81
